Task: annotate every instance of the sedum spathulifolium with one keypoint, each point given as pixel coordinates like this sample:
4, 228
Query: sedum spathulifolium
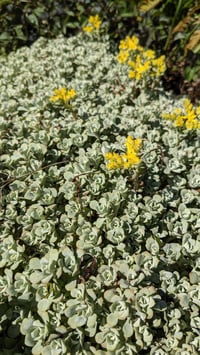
95, 258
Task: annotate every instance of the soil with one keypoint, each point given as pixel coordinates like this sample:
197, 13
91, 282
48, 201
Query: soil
175, 82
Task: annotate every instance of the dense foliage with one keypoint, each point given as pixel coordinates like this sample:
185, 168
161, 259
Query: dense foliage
96, 260
170, 27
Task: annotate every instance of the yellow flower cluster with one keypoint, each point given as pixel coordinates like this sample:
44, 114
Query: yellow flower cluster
187, 118
126, 160
63, 95
94, 23
141, 62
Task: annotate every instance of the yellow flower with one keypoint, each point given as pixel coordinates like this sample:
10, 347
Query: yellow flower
187, 118
132, 144
138, 59
180, 120
141, 61
132, 74
189, 110
132, 64
94, 23
122, 56
149, 54
140, 66
137, 74
132, 148
177, 111
71, 93
128, 159
188, 104
115, 161
169, 116
198, 110
63, 95
88, 28
129, 43
191, 115
159, 64
191, 124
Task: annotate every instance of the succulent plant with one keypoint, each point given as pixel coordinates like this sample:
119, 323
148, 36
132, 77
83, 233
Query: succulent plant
95, 260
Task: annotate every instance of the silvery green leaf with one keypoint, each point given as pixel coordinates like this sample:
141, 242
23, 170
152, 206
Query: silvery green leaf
190, 245
194, 277
188, 196
152, 245
56, 347
147, 336
120, 309
35, 164
116, 235
78, 293
183, 300
18, 185
35, 211
184, 212
36, 277
92, 321
172, 252
195, 323
150, 157
48, 196
174, 165
179, 228
112, 319
34, 263
99, 337
128, 328
33, 192
71, 285
42, 228
91, 293
100, 207
26, 325
54, 173
72, 209
112, 295
156, 323
194, 179
37, 349
194, 294
107, 275
170, 138
77, 321
111, 339
44, 304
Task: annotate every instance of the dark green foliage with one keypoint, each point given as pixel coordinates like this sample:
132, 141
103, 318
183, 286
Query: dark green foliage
22, 22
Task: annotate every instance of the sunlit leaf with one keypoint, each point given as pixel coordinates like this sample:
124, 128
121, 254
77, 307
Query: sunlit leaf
147, 5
